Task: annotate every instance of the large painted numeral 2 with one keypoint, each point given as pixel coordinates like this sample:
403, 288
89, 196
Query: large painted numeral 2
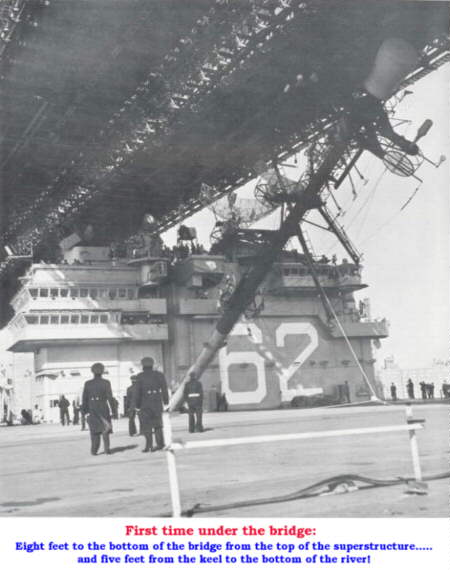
286, 374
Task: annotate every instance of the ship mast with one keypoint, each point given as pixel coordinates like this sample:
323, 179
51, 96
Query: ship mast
365, 125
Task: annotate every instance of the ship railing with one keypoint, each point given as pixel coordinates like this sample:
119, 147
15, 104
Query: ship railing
174, 445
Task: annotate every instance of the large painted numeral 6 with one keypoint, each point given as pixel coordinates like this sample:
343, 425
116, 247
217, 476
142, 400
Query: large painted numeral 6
228, 358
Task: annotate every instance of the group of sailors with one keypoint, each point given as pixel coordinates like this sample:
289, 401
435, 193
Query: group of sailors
147, 399
146, 244
426, 390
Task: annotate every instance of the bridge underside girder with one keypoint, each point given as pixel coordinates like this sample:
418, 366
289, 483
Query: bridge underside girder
74, 100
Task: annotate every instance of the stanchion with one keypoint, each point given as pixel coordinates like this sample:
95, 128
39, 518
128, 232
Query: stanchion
418, 487
172, 467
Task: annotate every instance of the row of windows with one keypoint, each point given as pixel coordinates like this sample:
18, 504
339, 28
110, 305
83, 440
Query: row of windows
138, 319
69, 319
84, 292
328, 271
294, 271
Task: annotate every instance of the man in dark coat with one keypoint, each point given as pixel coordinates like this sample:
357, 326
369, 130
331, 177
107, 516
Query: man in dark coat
97, 395
64, 410
76, 412
410, 389
193, 396
393, 391
346, 392
131, 410
151, 393
423, 390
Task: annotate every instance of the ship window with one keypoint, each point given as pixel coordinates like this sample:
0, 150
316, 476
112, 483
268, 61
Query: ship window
84, 292
102, 292
94, 319
93, 293
53, 293
112, 293
103, 319
84, 319
54, 319
74, 293
34, 293
31, 320
122, 293
64, 319
63, 292
44, 320
74, 319
131, 293
43, 292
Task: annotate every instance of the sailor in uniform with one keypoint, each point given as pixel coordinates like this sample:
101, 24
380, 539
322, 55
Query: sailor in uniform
410, 389
97, 395
150, 396
131, 410
64, 410
193, 396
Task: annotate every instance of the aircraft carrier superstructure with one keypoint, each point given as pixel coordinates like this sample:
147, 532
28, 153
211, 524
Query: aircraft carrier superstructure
97, 306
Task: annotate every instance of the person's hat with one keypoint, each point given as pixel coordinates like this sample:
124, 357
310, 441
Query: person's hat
97, 368
147, 362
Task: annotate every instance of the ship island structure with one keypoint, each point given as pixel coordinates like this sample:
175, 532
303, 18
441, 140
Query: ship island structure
118, 304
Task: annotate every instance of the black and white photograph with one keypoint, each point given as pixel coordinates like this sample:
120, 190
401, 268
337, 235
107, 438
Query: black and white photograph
224, 258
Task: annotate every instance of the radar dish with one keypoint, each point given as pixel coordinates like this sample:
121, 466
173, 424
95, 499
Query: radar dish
398, 163
245, 211
275, 190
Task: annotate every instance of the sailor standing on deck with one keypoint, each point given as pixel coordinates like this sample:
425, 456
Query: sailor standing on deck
76, 412
393, 391
151, 393
193, 396
423, 390
131, 410
97, 395
64, 410
410, 389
